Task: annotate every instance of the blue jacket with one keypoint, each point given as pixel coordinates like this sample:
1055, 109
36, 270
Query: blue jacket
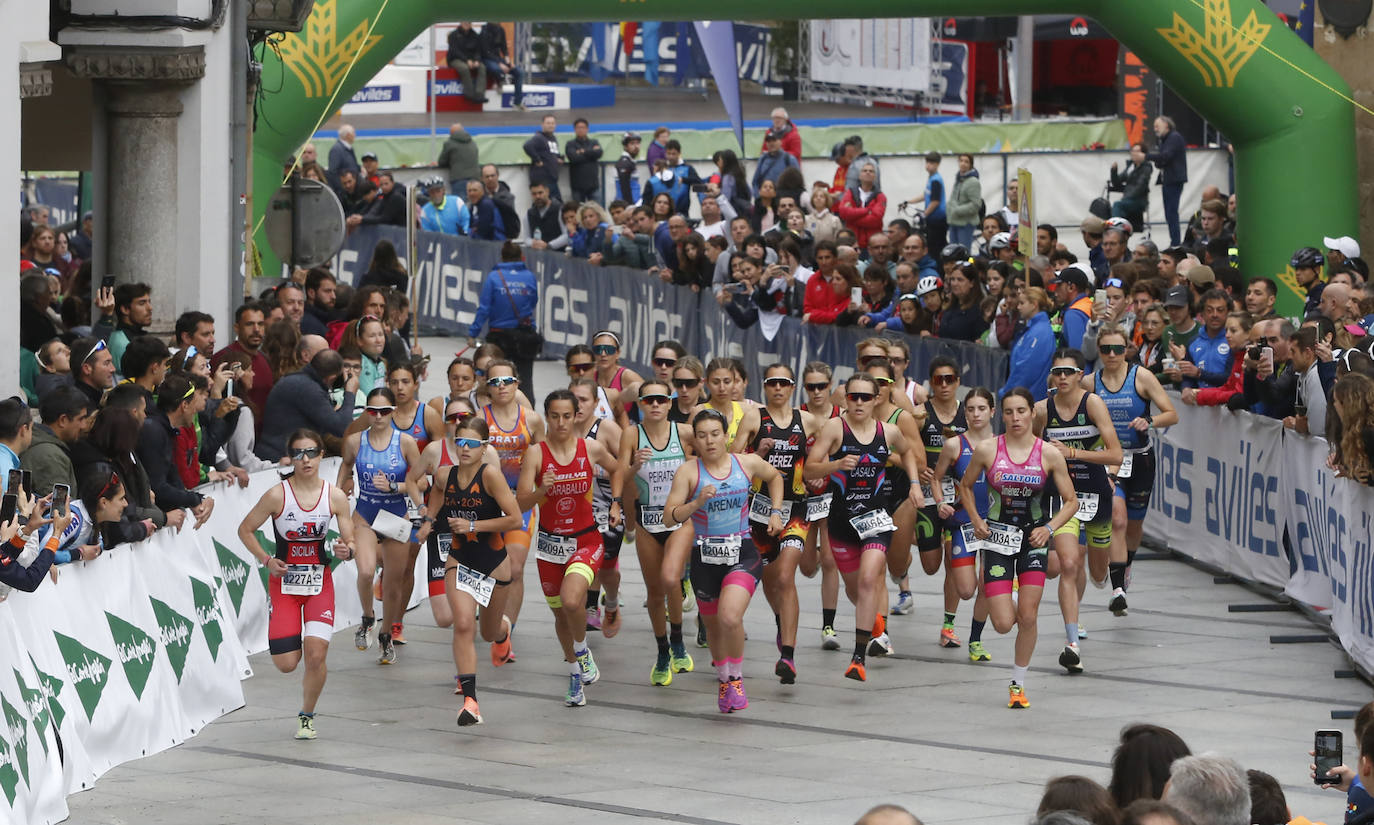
1212, 356
485, 222
935, 191
495, 307
684, 175
1075, 323
586, 241
665, 245
451, 219
1031, 356
770, 167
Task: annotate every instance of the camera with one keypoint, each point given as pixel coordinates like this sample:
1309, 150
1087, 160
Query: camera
1255, 352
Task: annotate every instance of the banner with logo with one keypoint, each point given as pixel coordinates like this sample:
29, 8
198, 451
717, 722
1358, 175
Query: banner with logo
1217, 494
888, 53
576, 299
32, 787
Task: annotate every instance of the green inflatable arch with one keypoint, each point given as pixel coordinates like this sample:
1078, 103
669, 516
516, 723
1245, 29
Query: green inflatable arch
1286, 111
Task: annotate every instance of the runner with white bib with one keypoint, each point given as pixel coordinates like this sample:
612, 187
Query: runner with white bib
606, 431
713, 492
300, 589
853, 452
1015, 535
817, 554
1075, 422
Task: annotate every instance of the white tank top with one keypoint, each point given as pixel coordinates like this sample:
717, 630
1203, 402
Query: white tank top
603, 405
301, 531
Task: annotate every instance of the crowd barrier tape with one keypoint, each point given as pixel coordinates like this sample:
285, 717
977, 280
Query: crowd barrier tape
134, 652
576, 299
1240, 493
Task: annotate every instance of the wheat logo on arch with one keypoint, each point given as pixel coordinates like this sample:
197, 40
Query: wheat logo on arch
316, 55
1222, 49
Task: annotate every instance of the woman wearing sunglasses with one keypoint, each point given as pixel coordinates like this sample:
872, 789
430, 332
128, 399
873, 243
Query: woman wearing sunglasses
514, 429
853, 452
482, 358
949, 468
609, 373
817, 554
713, 493
1020, 470
1137, 391
608, 433
301, 586
779, 433
557, 476
580, 363
687, 377
666, 354
471, 509
100, 505
944, 418
904, 516
876, 347
650, 453
382, 456
1076, 424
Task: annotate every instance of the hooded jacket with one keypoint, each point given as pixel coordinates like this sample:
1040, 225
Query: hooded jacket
460, 156
49, 458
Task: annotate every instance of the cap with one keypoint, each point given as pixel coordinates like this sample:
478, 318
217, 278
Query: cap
1346, 245
629, 136
1079, 275
1356, 330
1177, 296
1001, 240
772, 135
87, 215
1201, 276
371, 155
1093, 225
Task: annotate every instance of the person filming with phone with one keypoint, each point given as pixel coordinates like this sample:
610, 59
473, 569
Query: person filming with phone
1309, 407
1271, 380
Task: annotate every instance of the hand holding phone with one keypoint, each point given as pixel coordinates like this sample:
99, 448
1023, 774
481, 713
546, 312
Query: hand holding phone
15, 481
1329, 755
61, 495
9, 505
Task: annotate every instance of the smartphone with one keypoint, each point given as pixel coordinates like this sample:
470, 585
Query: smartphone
15, 480
60, 494
107, 282
1329, 754
1255, 352
228, 388
856, 295
701, 187
1300, 410
28, 483
1267, 358
8, 506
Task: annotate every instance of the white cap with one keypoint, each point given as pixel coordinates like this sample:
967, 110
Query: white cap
1346, 245
1001, 240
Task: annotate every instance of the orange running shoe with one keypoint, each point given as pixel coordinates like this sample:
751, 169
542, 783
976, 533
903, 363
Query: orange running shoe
856, 670
377, 585
879, 625
501, 652
948, 637
396, 628
1017, 699
470, 714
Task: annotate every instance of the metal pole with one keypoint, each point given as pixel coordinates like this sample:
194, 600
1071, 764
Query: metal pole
433, 109
413, 265
1025, 67
295, 220
240, 112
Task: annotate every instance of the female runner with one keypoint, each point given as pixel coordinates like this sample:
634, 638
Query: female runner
713, 492
720, 378
382, 456
650, 453
816, 383
666, 354
607, 432
688, 374
426, 425
1015, 536
580, 363
949, 468
471, 509
462, 381
609, 373
853, 451
944, 417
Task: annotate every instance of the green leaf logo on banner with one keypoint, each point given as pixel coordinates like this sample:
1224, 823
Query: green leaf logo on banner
207, 615
174, 633
136, 651
51, 687
9, 777
270, 548
19, 729
89, 670
235, 574
329, 538
37, 707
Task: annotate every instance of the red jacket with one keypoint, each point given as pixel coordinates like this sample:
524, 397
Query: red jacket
864, 220
1235, 383
841, 175
791, 143
821, 302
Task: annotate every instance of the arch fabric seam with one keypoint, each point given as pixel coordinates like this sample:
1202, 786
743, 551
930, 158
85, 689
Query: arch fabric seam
343, 79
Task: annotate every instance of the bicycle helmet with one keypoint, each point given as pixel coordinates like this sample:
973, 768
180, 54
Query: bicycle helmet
929, 284
953, 252
1119, 223
1309, 256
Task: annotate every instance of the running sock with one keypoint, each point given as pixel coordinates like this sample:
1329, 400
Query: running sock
593, 596
827, 617
369, 621
662, 645
310, 715
861, 638
722, 670
1071, 632
1018, 674
612, 604
735, 667
579, 648
1117, 571
675, 633
789, 652
468, 682
949, 620
975, 630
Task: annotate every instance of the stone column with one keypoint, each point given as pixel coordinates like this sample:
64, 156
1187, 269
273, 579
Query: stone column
142, 105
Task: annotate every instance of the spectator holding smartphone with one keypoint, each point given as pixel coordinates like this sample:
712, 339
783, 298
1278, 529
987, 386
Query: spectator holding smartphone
1309, 409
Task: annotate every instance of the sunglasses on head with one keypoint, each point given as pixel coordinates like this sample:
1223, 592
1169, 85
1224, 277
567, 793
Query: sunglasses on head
860, 397
1112, 349
457, 416
371, 410
478, 372
882, 380
1064, 371
686, 383
654, 399
779, 381
191, 354
99, 345
302, 453
501, 380
469, 443
605, 349
666, 363
110, 486
584, 366
821, 387
944, 379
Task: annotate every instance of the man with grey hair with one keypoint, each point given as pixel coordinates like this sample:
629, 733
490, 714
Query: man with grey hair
341, 156
787, 133
1211, 789
888, 815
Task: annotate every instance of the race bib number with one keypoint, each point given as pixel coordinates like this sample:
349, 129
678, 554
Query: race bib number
603, 520
761, 508
476, 585
721, 549
412, 509
948, 491
652, 518
443, 542
1124, 471
817, 507
927, 494
1005, 538
303, 580
554, 549
1087, 507
873, 523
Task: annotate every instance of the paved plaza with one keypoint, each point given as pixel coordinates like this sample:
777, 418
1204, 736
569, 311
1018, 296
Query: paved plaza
929, 730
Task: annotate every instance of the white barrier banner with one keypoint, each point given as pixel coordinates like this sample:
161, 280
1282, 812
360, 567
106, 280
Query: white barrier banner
1217, 494
31, 780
